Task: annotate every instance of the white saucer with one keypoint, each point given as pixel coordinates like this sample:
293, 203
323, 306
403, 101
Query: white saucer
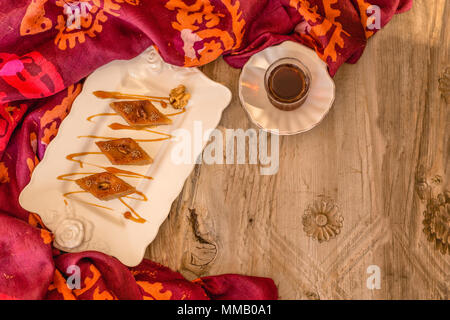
257, 105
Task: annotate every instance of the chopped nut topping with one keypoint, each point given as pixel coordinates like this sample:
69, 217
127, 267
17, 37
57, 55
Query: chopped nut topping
107, 146
154, 116
179, 98
116, 187
127, 109
123, 149
104, 185
136, 154
141, 113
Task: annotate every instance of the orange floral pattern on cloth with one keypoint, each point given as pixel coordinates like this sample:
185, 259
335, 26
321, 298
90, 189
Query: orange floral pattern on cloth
47, 236
35, 20
154, 291
363, 9
60, 285
147, 281
90, 284
51, 119
35, 220
32, 163
4, 176
79, 18
320, 26
199, 23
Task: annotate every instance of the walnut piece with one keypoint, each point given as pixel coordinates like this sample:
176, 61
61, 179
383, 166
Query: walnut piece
104, 185
179, 98
123, 149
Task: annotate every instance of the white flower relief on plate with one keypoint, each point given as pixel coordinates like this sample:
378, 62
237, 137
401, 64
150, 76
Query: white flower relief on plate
69, 230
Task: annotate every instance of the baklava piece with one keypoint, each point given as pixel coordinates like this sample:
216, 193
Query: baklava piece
140, 113
105, 186
124, 151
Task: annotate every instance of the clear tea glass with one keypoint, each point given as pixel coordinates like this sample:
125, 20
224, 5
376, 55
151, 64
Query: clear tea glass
287, 82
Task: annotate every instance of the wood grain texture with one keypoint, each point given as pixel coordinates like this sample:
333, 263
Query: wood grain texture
385, 141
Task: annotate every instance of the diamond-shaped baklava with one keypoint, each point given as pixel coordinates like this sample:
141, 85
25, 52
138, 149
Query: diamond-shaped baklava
140, 113
124, 151
105, 186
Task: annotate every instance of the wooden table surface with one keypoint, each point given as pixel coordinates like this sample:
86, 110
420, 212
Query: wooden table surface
380, 156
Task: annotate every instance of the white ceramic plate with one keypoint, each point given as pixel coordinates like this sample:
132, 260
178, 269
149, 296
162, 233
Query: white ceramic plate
77, 226
257, 105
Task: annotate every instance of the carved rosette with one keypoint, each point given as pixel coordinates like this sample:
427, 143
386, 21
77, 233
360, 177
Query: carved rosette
437, 222
70, 233
444, 84
436, 197
322, 220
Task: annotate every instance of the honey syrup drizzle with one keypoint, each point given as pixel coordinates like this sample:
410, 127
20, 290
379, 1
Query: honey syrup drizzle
116, 114
100, 115
176, 113
119, 126
143, 197
131, 174
119, 172
66, 195
137, 140
120, 95
71, 157
129, 215
63, 176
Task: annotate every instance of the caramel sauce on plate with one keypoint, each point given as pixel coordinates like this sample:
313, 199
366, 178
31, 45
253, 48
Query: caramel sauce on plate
119, 172
120, 95
137, 140
176, 113
132, 214
119, 126
71, 157
143, 197
66, 195
64, 176
100, 115
124, 173
105, 114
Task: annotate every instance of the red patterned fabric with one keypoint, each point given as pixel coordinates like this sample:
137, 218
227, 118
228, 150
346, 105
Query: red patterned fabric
48, 46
